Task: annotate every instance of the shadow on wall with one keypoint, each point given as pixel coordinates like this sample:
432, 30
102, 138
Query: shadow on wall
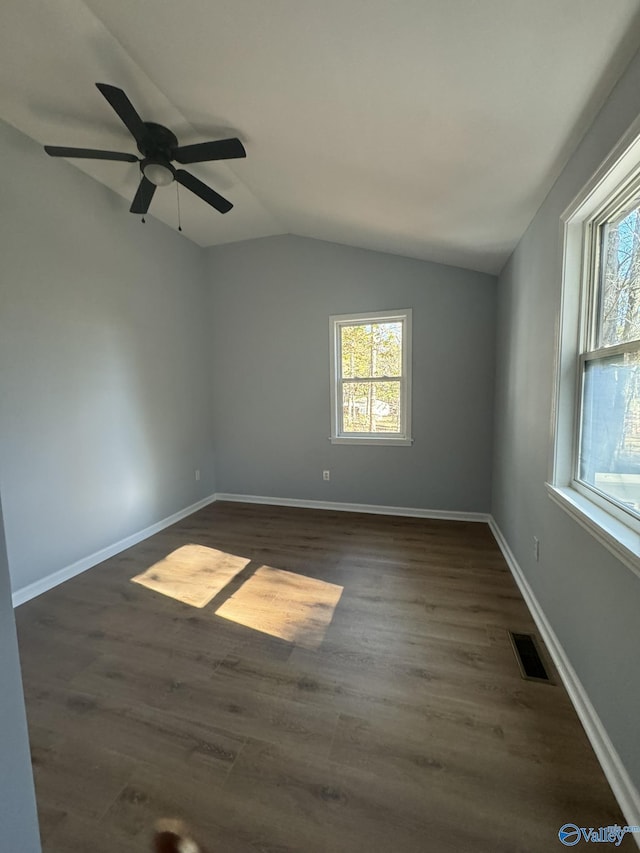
102, 431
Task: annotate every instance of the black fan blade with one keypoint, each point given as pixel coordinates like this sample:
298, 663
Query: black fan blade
222, 149
203, 191
142, 200
89, 154
125, 109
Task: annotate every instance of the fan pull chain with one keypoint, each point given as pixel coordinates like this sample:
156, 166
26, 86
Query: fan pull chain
143, 220
178, 199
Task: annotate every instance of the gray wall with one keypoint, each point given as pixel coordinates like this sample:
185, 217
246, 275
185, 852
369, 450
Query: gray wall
270, 305
591, 600
18, 819
105, 402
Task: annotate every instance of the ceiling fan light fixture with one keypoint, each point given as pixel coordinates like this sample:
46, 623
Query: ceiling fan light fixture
160, 174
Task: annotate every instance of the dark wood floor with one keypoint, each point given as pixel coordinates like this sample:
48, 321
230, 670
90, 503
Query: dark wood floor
336, 682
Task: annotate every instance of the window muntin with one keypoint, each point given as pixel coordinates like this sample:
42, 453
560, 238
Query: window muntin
370, 377
608, 445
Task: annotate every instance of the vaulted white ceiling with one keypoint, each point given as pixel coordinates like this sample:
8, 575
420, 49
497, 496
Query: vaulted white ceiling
428, 128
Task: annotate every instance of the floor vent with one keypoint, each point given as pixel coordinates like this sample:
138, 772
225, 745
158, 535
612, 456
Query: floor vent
528, 657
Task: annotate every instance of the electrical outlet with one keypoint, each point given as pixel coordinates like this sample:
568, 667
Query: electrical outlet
197, 473
536, 549
326, 475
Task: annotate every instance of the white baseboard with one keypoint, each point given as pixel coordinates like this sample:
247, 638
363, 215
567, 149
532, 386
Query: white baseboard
373, 509
26, 593
623, 788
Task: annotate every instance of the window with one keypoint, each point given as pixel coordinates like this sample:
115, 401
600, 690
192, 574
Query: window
608, 444
370, 378
595, 466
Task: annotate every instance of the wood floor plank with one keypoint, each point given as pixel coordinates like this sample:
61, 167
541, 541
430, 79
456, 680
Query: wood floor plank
81, 777
73, 834
299, 680
150, 797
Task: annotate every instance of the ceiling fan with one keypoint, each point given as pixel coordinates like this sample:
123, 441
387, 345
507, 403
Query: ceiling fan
159, 147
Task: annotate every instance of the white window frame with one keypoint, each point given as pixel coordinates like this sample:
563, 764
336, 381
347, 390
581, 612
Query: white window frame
338, 436
617, 179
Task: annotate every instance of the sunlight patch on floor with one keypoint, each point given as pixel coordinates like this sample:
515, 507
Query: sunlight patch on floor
283, 604
192, 574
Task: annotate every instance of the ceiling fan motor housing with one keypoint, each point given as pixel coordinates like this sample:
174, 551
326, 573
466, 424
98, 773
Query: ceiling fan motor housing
158, 143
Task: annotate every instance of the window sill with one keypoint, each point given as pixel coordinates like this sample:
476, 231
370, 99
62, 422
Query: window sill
387, 440
616, 536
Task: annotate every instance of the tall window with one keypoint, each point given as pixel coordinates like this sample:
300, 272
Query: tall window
370, 378
608, 457
595, 462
